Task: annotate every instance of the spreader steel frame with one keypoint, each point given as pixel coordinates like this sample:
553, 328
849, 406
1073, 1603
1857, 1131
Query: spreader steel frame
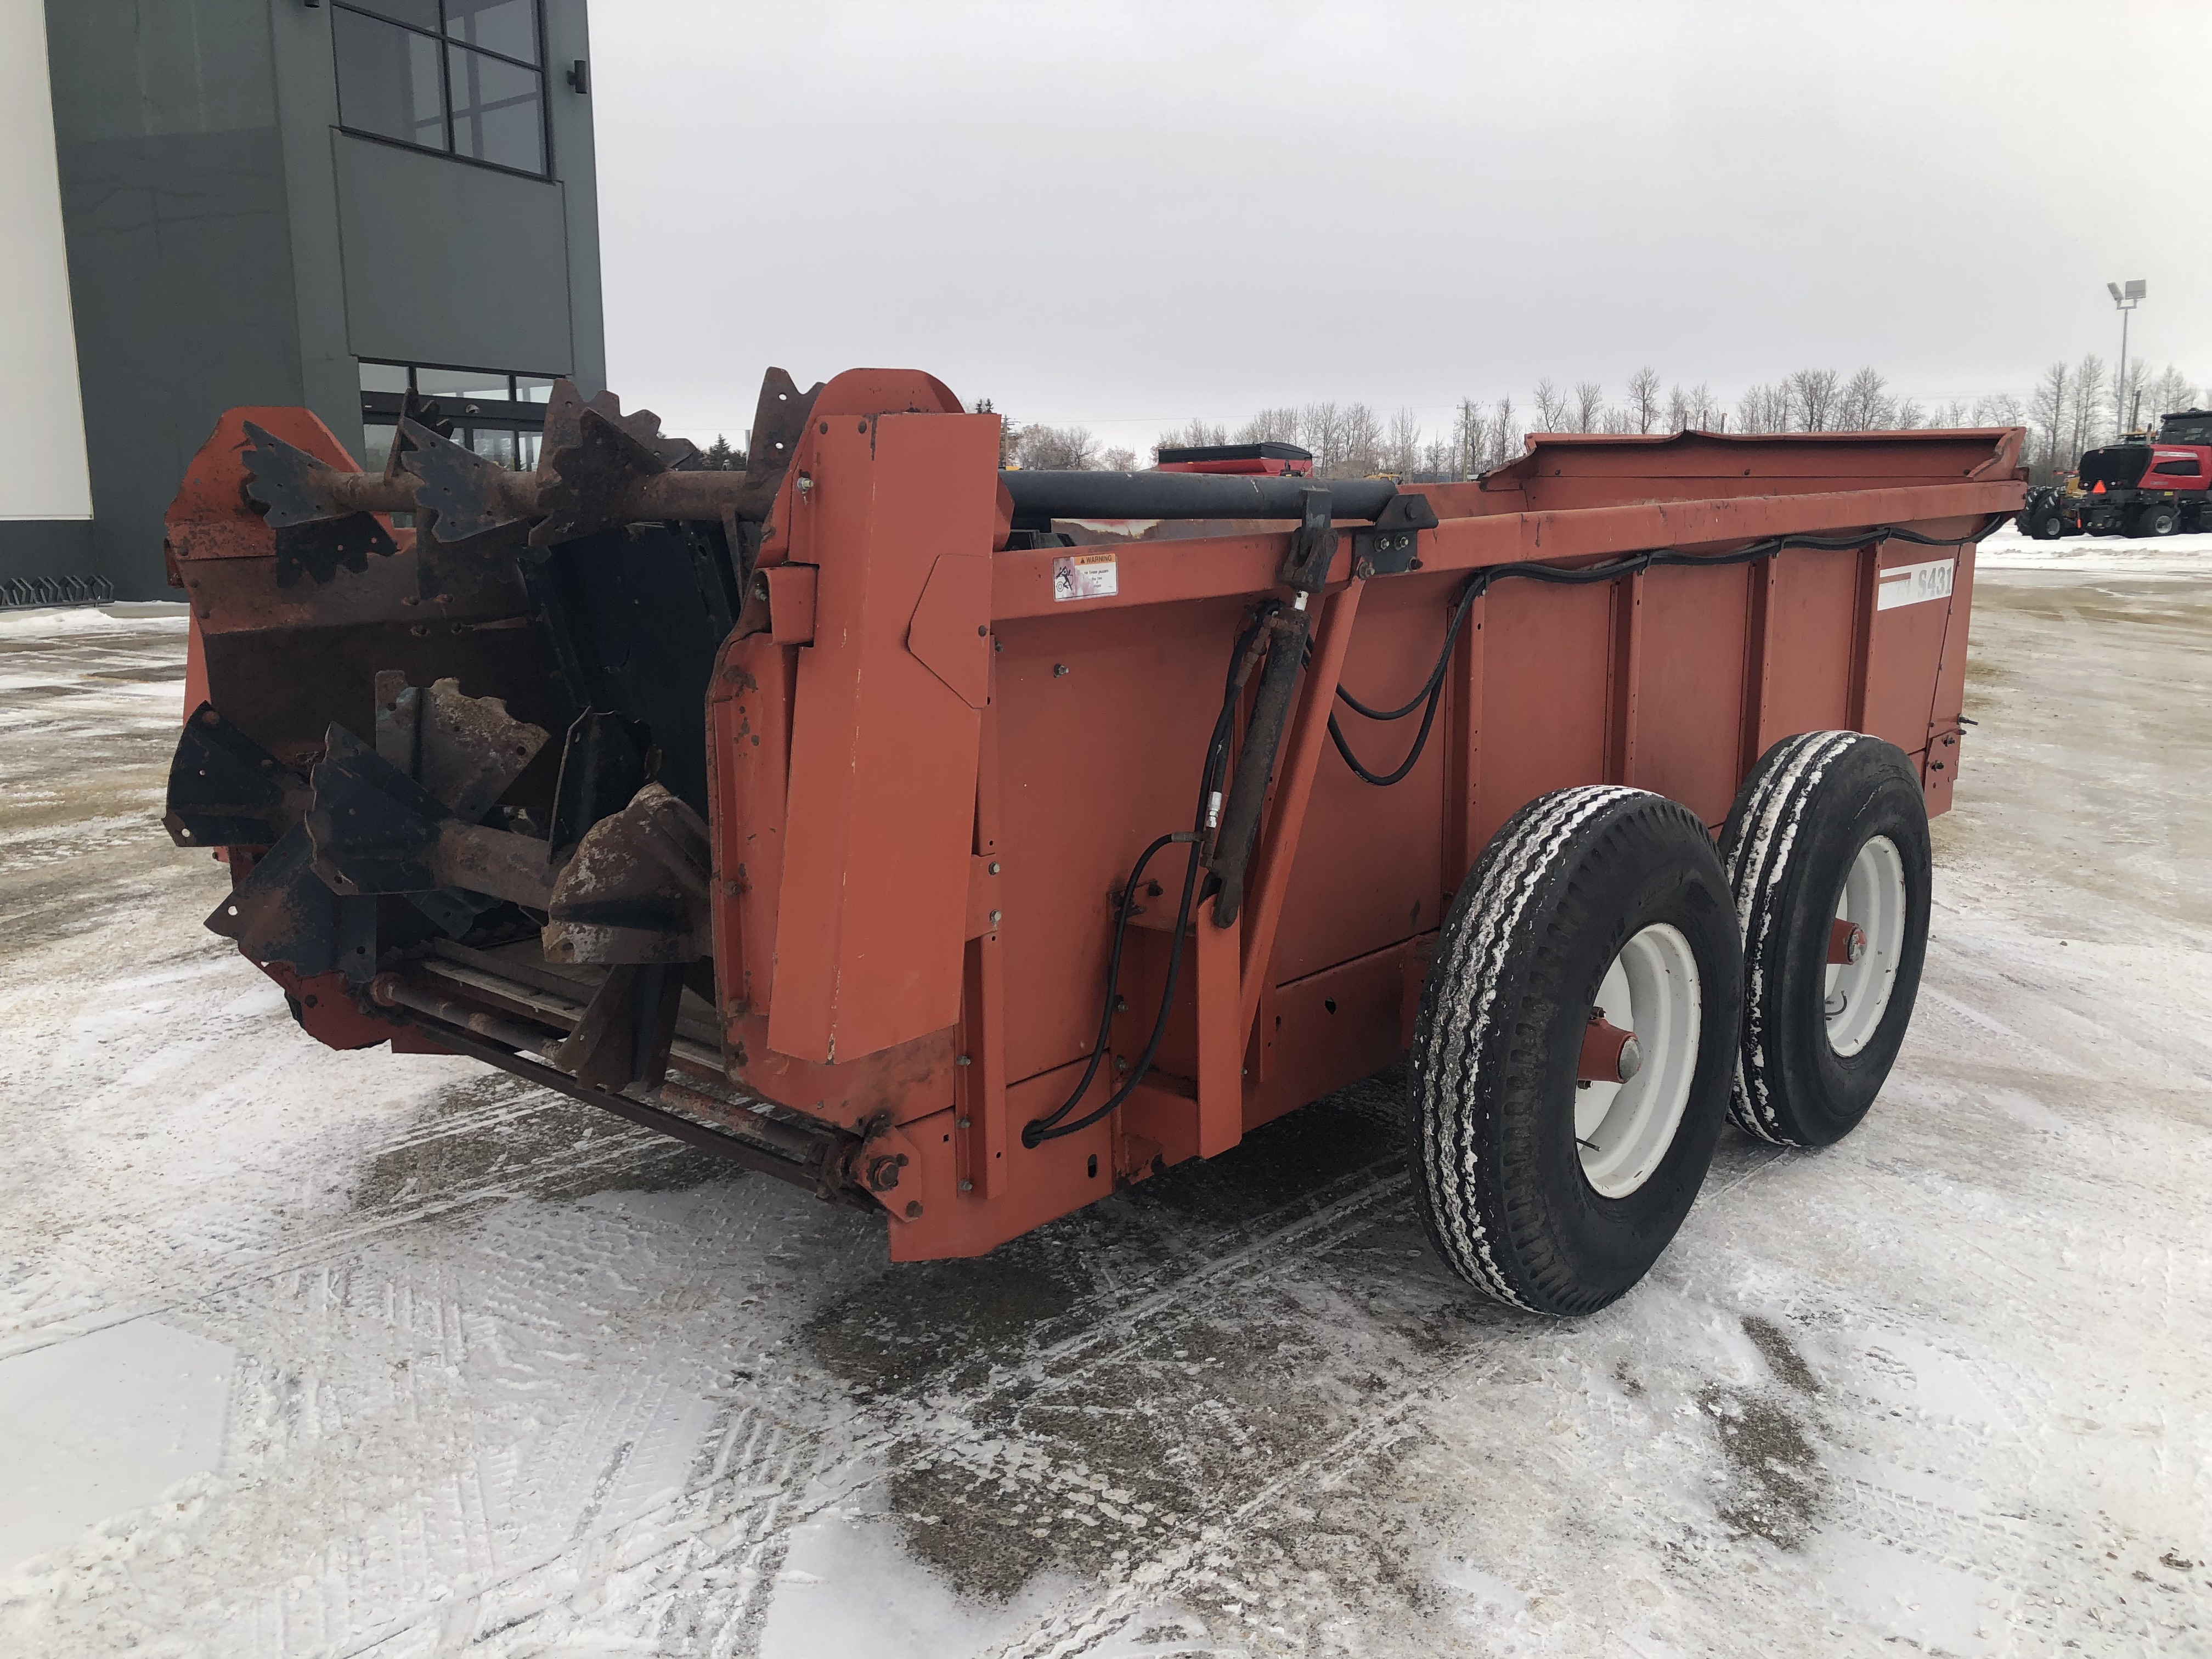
926, 715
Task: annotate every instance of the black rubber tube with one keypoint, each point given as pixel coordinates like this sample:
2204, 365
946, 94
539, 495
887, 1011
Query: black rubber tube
1041, 495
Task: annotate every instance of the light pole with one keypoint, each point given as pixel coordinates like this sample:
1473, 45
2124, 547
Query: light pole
2126, 300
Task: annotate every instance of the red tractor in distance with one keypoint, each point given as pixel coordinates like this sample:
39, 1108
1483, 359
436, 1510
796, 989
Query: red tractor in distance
2142, 486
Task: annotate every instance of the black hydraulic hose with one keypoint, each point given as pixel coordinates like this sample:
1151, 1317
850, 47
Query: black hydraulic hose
1035, 1132
1256, 761
1432, 691
1043, 496
1413, 756
1040, 1130
1427, 692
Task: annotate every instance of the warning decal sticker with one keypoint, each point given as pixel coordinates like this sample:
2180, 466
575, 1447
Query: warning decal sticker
1088, 576
1912, 584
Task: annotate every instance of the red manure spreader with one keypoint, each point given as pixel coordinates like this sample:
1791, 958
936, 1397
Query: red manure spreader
966, 845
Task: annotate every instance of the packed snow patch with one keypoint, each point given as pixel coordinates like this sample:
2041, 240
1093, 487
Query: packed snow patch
104, 1423
2098, 556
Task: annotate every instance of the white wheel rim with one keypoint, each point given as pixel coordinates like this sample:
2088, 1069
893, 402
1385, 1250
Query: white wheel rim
1623, 1130
1858, 992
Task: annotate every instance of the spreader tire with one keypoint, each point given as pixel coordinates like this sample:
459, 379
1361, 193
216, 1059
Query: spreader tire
1830, 828
2159, 521
1583, 890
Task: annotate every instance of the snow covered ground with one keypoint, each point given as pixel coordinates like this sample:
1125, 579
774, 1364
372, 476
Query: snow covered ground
306, 1354
2109, 556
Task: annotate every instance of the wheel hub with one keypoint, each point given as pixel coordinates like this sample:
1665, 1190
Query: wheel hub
1639, 1057
1866, 943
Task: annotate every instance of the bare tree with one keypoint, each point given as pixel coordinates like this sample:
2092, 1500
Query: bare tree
1469, 436
1813, 394
1270, 426
2089, 400
1905, 416
2134, 395
1590, 405
1056, 449
2169, 394
1864, 403
1553, 410
1402, 444
1321, 429
1706, 412
1644, 398
1998, 409
1118, 460
1502, 444
1362, 440
1764, 409
2050, 411
1678, 408
1199, 434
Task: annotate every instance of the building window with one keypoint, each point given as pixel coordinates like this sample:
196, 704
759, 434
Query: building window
459, 77
498, 414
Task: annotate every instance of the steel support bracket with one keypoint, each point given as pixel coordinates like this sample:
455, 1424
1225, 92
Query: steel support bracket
1387, 549
1313, 545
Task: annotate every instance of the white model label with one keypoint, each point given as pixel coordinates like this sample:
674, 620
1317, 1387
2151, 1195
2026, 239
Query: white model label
1086, 576
1911, 584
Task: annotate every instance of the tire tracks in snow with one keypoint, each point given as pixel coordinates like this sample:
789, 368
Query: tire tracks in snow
735, 1521
614, 1148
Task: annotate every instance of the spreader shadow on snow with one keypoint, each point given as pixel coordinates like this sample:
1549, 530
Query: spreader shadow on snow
492, 1135
1103, 1433
1108, 1401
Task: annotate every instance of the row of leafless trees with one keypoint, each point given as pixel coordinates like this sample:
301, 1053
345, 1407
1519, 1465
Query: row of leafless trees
2072, 409
2077, 406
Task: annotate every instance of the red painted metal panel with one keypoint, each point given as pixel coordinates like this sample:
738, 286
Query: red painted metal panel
1945, 722
951, 632
1547, 670
1332, 1029
1366, 871
883, 753
1463, 739
1128, 723
1690, 685
1049, 1181
1812, 605
1906, 646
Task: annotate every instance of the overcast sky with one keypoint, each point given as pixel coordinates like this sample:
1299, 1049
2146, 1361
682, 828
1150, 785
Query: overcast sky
1126, 215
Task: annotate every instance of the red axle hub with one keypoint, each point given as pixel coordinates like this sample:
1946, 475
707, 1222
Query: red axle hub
1846, 944
1609, 1053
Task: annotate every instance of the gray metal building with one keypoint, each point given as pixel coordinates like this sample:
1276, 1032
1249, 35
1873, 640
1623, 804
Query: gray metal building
316, 202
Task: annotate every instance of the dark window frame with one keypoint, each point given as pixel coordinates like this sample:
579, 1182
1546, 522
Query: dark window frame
513, 413
446, 45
